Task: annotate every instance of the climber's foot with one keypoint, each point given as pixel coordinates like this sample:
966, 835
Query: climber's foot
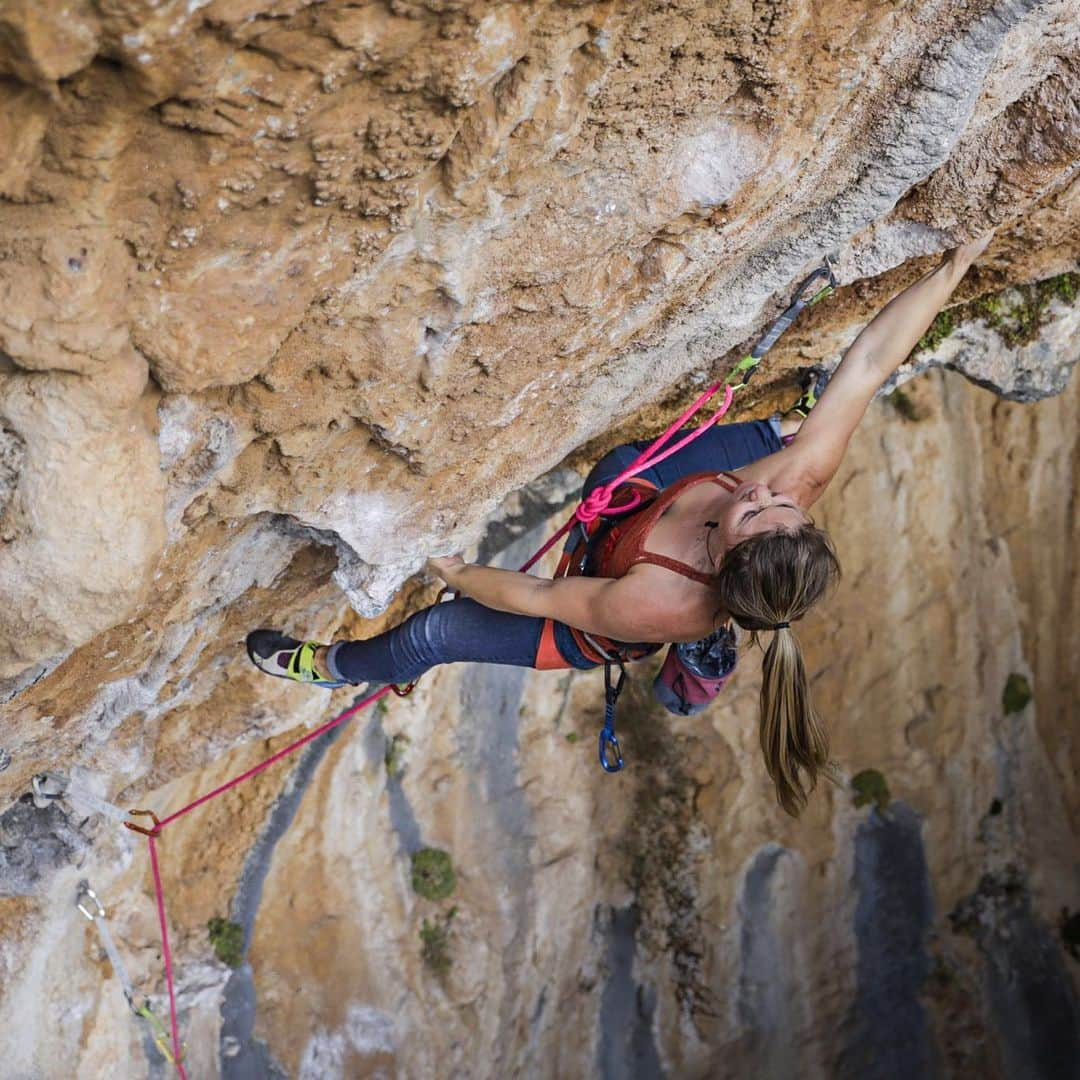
813, 387
287, 658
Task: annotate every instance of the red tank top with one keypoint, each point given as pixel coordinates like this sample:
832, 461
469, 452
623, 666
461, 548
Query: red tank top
624, 545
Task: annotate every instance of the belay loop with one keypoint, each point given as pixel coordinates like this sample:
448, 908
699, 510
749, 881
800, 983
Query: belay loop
611, 759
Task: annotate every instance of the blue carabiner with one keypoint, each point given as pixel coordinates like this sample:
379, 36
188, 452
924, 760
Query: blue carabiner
609, 744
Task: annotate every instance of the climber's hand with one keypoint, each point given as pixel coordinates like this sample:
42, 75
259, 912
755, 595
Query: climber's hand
966, 254
445, 565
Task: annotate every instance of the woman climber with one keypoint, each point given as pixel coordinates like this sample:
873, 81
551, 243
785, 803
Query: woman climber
721, 534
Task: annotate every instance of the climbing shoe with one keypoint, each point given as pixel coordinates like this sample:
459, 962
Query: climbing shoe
286, 658
813, 388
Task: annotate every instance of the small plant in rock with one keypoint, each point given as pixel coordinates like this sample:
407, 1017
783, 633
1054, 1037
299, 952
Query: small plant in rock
1016, 695
906, 405
435, 943
870, 787
433, 875
1016, 315
395, 755
943, 325
227, 938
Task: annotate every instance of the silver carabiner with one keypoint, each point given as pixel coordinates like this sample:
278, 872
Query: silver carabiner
84, 893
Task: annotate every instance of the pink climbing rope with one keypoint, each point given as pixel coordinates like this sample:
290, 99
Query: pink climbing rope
595, 504
159, 895
599, 499
255, 769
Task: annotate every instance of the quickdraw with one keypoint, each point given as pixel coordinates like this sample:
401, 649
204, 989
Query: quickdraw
611, 759
86, 900
742, 372
50, 787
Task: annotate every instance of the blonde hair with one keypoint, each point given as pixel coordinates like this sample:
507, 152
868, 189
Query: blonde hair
776, 578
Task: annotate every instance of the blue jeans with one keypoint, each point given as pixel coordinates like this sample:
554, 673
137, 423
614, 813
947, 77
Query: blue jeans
462, 630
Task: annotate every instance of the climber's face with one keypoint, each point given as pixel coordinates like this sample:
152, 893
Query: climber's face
753, 509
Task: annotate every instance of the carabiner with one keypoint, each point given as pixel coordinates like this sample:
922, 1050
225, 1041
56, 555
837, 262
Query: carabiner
613, 690
609, 745
152, 833
611, 759
86, 893
825, 290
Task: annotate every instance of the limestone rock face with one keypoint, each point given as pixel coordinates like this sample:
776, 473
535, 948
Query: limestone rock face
294, 294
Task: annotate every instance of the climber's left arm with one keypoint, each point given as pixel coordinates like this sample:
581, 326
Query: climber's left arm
805, 468
608, 606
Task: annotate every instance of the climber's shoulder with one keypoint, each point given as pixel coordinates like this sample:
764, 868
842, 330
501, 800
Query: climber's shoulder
804, 468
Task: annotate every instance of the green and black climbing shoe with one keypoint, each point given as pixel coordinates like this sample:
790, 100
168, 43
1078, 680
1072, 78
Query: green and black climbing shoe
287, 658
813, 388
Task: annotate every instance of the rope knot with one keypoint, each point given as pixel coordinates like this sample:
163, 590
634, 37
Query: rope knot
597, 501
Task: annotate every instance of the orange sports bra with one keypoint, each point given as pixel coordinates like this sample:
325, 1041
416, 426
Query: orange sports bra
624, 544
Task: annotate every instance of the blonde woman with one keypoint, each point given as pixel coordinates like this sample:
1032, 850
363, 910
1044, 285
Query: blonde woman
724, 535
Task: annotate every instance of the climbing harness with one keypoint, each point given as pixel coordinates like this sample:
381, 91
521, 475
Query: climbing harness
86, 900
49, 787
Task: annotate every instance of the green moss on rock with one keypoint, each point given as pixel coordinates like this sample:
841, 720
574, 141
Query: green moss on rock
1016, 314
870, 787
435, 943
394, 757
945, 322
433, 874
1016, 695
227, 938
905, 405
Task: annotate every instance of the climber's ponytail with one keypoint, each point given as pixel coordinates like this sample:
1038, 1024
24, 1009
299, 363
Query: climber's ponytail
793, 741
766, 582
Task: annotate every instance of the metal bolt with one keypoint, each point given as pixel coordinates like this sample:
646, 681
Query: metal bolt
5, 759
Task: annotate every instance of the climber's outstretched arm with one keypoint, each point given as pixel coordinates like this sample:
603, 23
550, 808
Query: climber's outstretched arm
607, 606
806, 466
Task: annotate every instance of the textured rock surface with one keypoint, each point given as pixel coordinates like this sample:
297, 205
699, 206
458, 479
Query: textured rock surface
668, 921
294, 294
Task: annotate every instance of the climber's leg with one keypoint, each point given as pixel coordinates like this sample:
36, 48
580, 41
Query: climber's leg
451, 632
